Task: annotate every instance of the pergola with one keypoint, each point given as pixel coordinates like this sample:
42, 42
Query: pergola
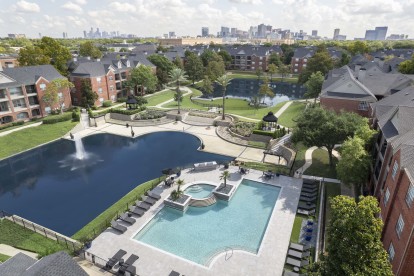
270, 119
131, 102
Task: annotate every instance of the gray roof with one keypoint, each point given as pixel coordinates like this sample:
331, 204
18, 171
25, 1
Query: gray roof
249, 50
57, 264
383, 84
90, 68
28, 75
16, 265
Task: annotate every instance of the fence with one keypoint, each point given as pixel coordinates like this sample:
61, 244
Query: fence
101, 263
71, 244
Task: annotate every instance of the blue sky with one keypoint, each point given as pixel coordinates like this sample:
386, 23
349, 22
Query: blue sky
186, 17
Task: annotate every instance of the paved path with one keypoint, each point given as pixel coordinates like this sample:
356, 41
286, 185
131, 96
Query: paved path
170, 100
19, 128
308, 160
284, 107
11, 251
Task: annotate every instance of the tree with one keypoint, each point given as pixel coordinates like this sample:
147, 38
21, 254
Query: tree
58, 54
284, 70
223, 81
345, 59
354, 240
287, 53
141, 76
274, 59
226, 58
255, 102
272, 70
177, 76
207, 86
321, 61
324, 128
259, 73
88, 49
314, 85
164, 67
88, 97
407, 67
194, 67
265, 90
353, 167
215, 69
178, 62
207, 56
31, 56
366, 134
55, 93
176, 194
358, 47
141, 100
224, 176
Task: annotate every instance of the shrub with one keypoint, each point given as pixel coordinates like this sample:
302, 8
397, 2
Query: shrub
150, 114
75, 116
128, 111
107, 103
243, 128
262, 132
94, 108
53, 119
121, 100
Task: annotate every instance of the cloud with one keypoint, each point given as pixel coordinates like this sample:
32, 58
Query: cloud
80, 2
28, 7
254, 2
123, 7
371, 6
72, 7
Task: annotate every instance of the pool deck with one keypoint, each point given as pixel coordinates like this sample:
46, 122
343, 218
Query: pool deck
269, 260
212, 142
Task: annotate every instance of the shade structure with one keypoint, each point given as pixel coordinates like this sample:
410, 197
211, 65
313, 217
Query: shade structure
270, 118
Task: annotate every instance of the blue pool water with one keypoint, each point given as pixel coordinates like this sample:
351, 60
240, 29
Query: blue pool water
38, 185
200, 233
199, 190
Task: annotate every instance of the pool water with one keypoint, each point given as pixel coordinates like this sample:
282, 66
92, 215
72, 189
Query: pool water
199, 191
201, 233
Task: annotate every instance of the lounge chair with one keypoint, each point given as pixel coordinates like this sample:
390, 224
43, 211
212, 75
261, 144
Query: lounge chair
154, 195
298, 254
291, 273
305, 206
308, 199
310, 181
299, 247
118, 226
112, 261
126, 218
307, 185
174, 273
149, 200
129, 262
298, 263
142, 205
137, 211
306, 212
309, 190
308, 194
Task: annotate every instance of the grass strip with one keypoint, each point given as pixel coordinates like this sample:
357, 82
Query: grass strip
287, 118
101, 222
4, 258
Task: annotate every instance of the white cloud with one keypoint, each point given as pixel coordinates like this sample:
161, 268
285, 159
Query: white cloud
371, 6
254, 2
123, 7
24, 6
80, 2
72, 7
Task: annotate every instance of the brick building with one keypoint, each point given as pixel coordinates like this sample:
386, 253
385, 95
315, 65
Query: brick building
393, 178
302, 55
8, 61
22, 89
248, 57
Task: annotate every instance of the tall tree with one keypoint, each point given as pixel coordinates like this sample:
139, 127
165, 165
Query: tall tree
207, 86
224, 176
272, 70
287, 53
274, 59
178, 62
194, 67
141, 76
314, 85
407, 67
353, 167
164, 67
215, 68
321, 61
226, 58
177, 76
324, 128
88, 97
358, 47
207, 56
223, 81
345, 59
30, 56
283, 70
259, 73
55, 93
88, 49
265, 90
354, 240
59, 54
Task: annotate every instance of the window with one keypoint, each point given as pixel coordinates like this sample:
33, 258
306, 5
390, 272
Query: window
19, 103
100, 90
296, 59
391, 252
60, 95
409, 198
394, 169
111, 88
304, 65
363, 106
400, 226
305, 60
260, 63
111, 78
386, 197
296, 65
101, 100
15, 91
296, 70
99, 80
22, 116
48, 110
42, 86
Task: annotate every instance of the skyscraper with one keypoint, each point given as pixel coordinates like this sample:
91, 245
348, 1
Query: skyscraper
261, 31
380, 33
204, 32
314, 32
336, 34
370, 35
225, 31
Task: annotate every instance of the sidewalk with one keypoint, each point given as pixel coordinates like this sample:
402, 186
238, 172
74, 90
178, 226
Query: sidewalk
19, 128
11, 251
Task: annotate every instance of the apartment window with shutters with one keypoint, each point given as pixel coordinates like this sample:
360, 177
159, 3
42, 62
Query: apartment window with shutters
391, 252
394, 169
399, 226
386, 197
409, 198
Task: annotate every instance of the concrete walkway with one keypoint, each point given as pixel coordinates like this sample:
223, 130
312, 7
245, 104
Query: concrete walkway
284, 107
11, 251
160, 105
4, 133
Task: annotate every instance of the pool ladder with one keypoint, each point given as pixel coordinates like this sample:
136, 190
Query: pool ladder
228, 250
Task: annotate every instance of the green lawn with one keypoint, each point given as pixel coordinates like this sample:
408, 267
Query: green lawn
288, 116
101, 222
256, 114
331, 190
297, 225
161, 97
14, 127
300, 156
266, 167
187, 103
320, 165
31, 137
4, 258
261, 145
19, 237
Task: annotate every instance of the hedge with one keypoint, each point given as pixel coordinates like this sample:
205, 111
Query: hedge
128, 111
53, 119
107, 103
262, 132
18, 123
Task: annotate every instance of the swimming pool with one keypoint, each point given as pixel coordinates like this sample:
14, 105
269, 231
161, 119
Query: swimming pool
201, 233
199, 191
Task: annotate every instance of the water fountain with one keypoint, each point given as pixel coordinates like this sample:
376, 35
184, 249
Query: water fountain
81, 158
80, 149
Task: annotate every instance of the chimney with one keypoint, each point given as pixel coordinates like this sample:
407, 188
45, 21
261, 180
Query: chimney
361, 74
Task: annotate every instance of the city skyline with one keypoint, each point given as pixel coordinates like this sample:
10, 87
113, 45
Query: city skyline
185, 17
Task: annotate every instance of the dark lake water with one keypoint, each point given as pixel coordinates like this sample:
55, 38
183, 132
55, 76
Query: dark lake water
247, 88
38, 186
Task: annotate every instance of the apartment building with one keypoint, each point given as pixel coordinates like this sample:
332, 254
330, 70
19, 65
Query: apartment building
8, 61
393, 178
248, 57
22, 89
302, 55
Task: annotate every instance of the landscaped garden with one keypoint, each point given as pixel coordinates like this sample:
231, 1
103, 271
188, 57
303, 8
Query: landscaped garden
320, 165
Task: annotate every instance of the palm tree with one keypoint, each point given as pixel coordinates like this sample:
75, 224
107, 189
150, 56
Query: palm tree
224, 176
178, 75
180, 182
176, 194
223, 81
